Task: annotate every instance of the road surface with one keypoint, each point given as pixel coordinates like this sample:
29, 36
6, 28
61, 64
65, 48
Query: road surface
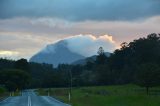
29, 98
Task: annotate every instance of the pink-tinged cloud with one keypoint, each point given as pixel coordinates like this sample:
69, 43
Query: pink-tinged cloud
87, 45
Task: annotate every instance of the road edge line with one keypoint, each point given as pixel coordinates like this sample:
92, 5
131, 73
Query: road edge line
5, 99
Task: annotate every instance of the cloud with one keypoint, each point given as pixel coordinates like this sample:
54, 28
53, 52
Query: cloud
52, 29
9, 54
26, 26
52, 22
28, 35
80, 10
16, 46
87, 45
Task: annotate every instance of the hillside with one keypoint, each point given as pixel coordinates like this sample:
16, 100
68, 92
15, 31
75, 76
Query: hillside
55, 54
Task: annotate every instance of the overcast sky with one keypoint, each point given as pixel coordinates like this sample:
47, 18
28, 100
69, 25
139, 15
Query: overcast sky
27, 26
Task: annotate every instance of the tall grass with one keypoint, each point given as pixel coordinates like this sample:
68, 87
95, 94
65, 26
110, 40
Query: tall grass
119, 95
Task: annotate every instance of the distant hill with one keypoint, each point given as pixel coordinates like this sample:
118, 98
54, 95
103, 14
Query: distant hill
55, 54
91, 59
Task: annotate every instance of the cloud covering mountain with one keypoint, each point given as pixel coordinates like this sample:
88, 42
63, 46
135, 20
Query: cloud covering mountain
73, 48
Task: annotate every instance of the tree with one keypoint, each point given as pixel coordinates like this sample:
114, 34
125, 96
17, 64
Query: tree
100, 51
123, 61
148, 75
145, 49
124, 45
103, 75
101, 58
22, 64
14, 79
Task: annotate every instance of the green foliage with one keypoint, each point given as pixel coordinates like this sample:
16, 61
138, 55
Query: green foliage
4, 63
2, 90
14, 79
146, 49
41, 73
3, 93
148, 75
125, 61
22, 64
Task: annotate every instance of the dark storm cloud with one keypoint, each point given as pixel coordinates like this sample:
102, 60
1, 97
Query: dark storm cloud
80, 10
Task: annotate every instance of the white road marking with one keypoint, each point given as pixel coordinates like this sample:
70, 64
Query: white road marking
29, 101
5, 100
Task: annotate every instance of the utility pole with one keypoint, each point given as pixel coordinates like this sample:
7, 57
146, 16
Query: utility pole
70, 85
48, 92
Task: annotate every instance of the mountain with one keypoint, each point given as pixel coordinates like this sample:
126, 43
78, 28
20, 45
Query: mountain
91, 59
55, 54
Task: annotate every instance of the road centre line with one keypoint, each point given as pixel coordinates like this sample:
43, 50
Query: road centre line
29, 101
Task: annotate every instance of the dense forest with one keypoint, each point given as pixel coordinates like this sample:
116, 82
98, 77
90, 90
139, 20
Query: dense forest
136, 62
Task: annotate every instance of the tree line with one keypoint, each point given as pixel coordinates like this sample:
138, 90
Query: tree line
136, 62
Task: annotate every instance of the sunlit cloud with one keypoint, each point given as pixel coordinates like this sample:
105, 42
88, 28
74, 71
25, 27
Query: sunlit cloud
9, 54
87, 45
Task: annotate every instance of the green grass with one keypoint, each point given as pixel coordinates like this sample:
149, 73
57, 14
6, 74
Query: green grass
3, 93
122, 95
17, 93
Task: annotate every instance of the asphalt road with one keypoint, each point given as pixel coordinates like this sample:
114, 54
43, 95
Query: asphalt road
29, 98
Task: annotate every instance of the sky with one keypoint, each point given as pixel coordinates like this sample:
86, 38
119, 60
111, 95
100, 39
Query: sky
27, 26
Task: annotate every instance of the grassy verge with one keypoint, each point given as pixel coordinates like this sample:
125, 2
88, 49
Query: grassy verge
123, 95
3, 93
